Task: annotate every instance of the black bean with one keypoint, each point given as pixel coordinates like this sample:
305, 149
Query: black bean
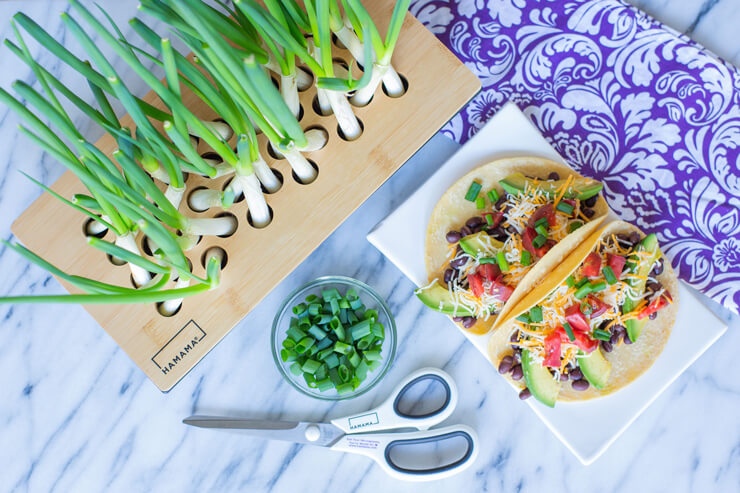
589, 213
506, 363
448, 275
624, 238
499, 233
474, 221
635, 237
517, 373
469, 322
580, 385
500, 203
657, 268
518, 355
563, 377
525, 394
627, 339
479, 228
515, 336
465, 231
591, 201
553, 176
604, 325
456, 263
512, 230
615, 337
606, 346
453, 236
576, 374
653, 316
458, 250
458, 319
654, 286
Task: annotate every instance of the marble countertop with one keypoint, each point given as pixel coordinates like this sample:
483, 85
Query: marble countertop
77, 415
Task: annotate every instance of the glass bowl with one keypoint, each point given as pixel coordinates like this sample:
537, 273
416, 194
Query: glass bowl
369, 298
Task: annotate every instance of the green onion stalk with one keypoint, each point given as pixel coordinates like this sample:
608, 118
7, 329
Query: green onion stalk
382, 70
316, 54
252, 92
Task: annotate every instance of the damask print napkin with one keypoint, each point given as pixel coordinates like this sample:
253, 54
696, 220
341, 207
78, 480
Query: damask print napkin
624, 99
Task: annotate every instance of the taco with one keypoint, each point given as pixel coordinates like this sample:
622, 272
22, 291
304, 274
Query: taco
500, 227
595, 324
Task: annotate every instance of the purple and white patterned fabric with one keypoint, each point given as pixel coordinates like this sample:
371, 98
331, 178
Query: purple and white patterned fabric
624, 99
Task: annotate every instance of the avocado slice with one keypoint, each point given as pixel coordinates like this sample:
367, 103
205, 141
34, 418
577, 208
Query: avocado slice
480, 242
595, 368
648, 244
539, 380
437, 297
581, 188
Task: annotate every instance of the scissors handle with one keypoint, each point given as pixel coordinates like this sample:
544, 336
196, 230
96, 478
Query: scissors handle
388, 416
379, 447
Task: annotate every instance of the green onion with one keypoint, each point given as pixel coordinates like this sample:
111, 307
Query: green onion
582, 282
542, 222
601, 335
609, 275
539, 240
586, 308
582, 292
570, 281
569, 331
489, 219
473, 191
574, 226
526, 258
493, 195
524, 318
565, 207
598, 286
487, 260
535, 314
542, 230
480, 202
502, 263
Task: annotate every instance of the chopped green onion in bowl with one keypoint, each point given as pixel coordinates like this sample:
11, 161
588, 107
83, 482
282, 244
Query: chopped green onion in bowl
334, 338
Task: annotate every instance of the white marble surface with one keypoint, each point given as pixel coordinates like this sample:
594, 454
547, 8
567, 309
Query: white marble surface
77, 415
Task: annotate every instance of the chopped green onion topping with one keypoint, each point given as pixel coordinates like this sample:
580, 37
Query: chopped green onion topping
502, 263
487, 260
570, 281
535, 314
586, 308
574, 226
526, 258
524, 318
582, 292
609, 275
582, 282
541, 229
542, 222
493, 195
569, 331
539, 240
480, 202
473, 191
598, 286
565, 207
601, 334
489, 219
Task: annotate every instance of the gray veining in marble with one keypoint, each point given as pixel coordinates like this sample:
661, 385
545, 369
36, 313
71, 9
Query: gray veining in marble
77, 415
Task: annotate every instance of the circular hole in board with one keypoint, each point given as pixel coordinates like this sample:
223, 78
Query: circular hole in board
274, 155
160, 309
298, 180
300, 112
275, 82
310, 74
190, 193
341, 62
220, 251
279, 177
115, 260
226, 184
317, 109
322, 129
251, 223
343, 137
227, 214
91, 227
405, 83
361, 105
337, 43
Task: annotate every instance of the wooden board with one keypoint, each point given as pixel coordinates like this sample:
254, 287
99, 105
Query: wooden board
166, 348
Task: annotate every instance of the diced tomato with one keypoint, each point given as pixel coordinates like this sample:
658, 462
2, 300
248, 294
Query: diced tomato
476, 284
616, 262
500, 290
497, 217
547, 211
660, 302
597, 306
592, 265
529, 235
584, 342
489, 271
576, 319
552, 350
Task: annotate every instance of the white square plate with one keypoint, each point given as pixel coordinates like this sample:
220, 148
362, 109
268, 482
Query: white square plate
400, 237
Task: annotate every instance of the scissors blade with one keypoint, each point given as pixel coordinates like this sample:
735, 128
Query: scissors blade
323, 434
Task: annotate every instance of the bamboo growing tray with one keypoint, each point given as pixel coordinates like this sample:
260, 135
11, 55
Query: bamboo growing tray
166, 348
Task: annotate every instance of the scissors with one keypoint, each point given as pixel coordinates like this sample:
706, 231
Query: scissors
357, 433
